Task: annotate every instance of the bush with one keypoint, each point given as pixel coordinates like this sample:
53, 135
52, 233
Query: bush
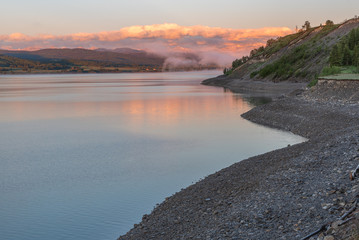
253, 74
227, 71
330, 71
313, 82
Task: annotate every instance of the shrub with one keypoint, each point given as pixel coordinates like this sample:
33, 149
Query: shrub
253, 74
330, 71
313, 82
227, 71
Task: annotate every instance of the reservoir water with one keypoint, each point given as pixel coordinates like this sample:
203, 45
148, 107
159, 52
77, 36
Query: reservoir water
85, 156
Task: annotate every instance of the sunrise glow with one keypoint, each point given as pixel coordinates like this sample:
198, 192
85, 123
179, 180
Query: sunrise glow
151, 37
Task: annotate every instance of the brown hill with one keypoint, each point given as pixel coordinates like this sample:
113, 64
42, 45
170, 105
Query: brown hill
130, 58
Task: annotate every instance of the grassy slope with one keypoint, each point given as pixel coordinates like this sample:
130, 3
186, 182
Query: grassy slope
348, 76
297, 57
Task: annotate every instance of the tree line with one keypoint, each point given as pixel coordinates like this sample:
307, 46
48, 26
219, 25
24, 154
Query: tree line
10, 64
346, 51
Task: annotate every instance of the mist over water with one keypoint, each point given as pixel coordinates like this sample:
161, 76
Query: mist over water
85, 156
195, 59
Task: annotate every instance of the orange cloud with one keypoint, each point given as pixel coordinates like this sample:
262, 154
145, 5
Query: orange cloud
163, 31
174, 31
158, 38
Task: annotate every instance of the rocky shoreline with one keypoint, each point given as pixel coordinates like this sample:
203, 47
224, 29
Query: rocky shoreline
284, 194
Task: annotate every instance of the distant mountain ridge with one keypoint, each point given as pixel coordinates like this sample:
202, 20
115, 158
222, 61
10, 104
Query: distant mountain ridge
98, 60
122, 50
79, 60
118, 56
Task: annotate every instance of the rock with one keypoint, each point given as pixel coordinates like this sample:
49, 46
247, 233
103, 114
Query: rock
329, 237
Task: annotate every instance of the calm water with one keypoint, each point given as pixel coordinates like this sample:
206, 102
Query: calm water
85, 156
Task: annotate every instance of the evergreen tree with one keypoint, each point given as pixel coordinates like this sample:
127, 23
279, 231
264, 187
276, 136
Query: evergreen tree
352, 39
347, 58
306, 25
356, 56
335, 58
341, 50
329, 23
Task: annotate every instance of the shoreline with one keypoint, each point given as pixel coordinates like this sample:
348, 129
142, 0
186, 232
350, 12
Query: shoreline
256, 87
283, 194
100, 72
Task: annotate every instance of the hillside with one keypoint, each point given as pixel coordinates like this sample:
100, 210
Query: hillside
299, 57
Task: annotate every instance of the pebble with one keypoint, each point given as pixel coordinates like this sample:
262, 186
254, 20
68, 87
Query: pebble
329, 237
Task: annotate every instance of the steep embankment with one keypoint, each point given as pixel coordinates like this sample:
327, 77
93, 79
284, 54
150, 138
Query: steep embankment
297, 57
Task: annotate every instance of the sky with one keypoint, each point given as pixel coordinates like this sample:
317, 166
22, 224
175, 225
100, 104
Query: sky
227, 27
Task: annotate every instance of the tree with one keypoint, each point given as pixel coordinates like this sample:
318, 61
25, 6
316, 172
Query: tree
253, 52
352, 39
329, 23
356, 56
225, 71
270, 42
335, 58
347, 58
236, 63
306, 25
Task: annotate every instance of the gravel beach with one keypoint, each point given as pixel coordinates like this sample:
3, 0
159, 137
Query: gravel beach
283, 194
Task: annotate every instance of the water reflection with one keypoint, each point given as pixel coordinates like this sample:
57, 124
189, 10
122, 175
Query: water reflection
257, 101
251, 99
103, 149
164, 111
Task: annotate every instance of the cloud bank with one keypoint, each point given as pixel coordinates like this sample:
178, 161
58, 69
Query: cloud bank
211, 43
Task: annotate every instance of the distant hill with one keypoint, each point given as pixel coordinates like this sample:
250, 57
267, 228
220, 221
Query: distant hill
79, 60
125, 57
298, 57
96, 61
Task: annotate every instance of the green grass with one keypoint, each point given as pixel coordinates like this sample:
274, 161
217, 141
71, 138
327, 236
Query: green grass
350, 70
327, 71
340, 73
346, 76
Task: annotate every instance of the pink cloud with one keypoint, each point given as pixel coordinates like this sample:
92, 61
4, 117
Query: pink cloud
174, 31
158, 38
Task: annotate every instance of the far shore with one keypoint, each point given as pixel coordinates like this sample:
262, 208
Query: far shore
99, 72
283, 194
